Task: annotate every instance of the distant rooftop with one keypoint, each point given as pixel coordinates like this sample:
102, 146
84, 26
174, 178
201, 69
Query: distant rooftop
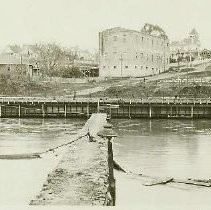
149, 29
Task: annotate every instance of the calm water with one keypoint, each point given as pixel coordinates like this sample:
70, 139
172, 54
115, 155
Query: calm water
164, 147
158, 147
21, 180
35, 135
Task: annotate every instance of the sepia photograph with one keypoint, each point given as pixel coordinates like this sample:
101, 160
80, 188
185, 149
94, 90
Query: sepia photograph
105, 103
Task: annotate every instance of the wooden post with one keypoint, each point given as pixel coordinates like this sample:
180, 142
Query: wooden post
43, 111
129, 110
87, 110
171, 111
191, 111
150, 125
111, 172
176, 110
70, 109
0, 110
98, 106
65, 110
150, 111
19, 111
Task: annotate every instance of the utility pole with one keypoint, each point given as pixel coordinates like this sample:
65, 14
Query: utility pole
178, 57
164, 54
121, 60
21, 63
190, 57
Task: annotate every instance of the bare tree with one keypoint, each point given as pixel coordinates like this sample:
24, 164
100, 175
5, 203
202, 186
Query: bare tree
50, 57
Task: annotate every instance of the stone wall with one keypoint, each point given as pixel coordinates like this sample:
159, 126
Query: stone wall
82, 175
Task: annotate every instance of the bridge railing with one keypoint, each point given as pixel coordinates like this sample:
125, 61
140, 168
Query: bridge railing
151, 100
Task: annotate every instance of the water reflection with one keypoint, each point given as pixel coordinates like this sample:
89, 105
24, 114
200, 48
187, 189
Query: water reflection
35, 135
177, 148
26, 136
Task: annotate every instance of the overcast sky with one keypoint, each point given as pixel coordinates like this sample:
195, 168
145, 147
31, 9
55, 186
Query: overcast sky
77, 22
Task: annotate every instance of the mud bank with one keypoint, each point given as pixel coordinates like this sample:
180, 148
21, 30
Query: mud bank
81, 177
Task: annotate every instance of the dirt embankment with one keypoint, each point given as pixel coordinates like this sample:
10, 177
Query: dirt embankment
186, 83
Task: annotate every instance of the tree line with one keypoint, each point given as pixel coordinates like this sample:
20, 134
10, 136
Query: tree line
51, 59
54, 61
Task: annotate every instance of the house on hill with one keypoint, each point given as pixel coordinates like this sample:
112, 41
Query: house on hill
14, 57
187, 49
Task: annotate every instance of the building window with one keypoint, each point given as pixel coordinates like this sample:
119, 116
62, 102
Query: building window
142, 38
141, 67
146, 67
115, 38
124, 38
103, 66
126, 67
136, 56
135, 66
114, 67
167, 44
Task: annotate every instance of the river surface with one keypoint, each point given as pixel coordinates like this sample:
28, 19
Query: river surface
21, 180
163, 148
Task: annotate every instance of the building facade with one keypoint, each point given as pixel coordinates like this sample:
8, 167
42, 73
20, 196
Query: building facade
14, 57
130, 53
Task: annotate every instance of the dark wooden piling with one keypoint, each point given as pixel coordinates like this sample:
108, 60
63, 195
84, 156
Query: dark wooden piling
111, 178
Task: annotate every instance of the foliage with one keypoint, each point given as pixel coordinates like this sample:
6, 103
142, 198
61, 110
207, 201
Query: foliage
154, 30
50, 57
70, 71
14, 80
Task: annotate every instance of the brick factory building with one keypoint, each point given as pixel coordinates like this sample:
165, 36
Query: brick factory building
130, 53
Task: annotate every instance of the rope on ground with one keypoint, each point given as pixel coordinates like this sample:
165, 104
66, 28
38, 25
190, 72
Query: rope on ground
158, 180
37, 155
62, 145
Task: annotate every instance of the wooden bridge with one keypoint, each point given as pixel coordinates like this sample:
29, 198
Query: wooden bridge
161, 107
